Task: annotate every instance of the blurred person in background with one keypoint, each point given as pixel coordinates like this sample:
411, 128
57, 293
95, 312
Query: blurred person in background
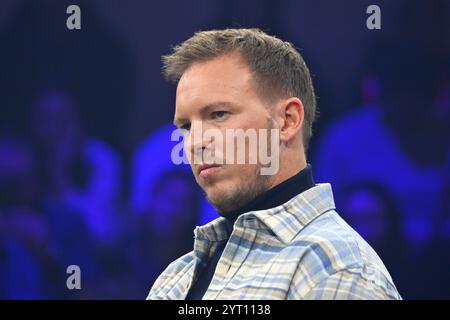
79, 179
80, 172
416, 110
164, 231
373, 212
28, 267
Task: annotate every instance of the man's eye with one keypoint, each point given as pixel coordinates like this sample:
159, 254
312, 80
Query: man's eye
186, 126
219, 115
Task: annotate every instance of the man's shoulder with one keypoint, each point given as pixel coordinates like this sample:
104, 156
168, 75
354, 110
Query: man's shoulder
172, 275
331, 246
331, 234
179, 263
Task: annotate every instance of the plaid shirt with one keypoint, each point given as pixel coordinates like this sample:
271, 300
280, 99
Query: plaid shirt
299, 250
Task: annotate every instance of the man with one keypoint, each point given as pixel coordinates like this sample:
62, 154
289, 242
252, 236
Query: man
279, 236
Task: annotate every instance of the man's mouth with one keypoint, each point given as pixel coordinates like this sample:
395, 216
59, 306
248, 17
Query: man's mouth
206, 170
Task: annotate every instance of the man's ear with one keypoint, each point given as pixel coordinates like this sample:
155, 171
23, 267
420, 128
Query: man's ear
290, 116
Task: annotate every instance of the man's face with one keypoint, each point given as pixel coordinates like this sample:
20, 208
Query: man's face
220, 94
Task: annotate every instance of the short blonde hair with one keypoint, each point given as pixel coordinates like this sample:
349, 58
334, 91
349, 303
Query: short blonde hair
278, 68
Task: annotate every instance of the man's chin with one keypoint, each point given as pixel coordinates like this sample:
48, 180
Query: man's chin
212, 185
216, 196
213, 196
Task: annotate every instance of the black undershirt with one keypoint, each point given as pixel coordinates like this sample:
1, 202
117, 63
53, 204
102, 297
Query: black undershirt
274, 197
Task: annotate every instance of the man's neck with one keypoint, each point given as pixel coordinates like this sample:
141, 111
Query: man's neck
286, 174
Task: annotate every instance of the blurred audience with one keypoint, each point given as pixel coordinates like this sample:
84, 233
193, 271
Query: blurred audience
398, 139
81, 172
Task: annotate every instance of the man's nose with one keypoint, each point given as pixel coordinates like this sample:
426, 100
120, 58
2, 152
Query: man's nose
197, 148
197, 141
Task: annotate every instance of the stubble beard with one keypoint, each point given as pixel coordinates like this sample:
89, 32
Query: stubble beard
242, 193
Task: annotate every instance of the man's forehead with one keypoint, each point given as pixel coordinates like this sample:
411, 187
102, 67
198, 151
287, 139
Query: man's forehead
223, 71
207, 88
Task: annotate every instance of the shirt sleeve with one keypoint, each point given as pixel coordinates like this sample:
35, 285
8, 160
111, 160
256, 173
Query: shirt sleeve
351, 285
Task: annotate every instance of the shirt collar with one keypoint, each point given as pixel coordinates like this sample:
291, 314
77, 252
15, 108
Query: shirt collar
284, 221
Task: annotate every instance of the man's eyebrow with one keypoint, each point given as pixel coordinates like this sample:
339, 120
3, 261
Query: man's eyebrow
203, 110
